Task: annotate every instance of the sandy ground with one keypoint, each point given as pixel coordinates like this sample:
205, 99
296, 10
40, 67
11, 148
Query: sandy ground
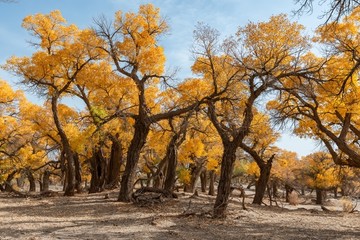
95, 217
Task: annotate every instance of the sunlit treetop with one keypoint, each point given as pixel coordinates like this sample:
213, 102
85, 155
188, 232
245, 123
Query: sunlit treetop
140, 32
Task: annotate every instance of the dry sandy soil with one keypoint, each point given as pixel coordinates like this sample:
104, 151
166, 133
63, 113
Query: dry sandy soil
96, 217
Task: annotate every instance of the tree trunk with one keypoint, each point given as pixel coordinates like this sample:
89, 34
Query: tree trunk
30, 177
116, 160
212, 177
335, 192
10, 177
171, 155
270, 194
77, 173
223, 192
97, 171
68, 153
21, 180
319, 196
46, 181
275, 192
288, 190
262, 182
196, 169
203, 180
137, 143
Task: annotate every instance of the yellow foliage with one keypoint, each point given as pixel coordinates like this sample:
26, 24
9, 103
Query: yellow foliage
184, 175
253, 169
320, 171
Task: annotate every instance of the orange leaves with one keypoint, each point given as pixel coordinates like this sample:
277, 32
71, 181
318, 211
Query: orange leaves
7, 95
320, 171
272, 45
194, 89
139, 38
49, 29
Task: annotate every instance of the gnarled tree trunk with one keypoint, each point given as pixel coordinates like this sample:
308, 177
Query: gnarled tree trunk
227, 166
127, 182
98, 165
31, 179
171, 157
116, 160
262, 182
10, 177
66, 150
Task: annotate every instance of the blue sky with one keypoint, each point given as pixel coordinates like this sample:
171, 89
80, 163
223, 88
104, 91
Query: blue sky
182, 16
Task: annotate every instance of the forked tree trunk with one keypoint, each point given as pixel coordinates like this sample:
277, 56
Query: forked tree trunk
262, 182
223, 192
97, 162
172, 155
137, 143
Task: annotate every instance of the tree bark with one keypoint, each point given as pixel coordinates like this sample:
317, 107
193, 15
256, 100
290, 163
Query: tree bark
10, 177
30, 177
203, 180
212, 177
68, 153
335, 192
196, 169
97, 163
320, 196
116, 160
77, 173
275, 192
46, 181
171, 155
262, 182
223, 192
127, 182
